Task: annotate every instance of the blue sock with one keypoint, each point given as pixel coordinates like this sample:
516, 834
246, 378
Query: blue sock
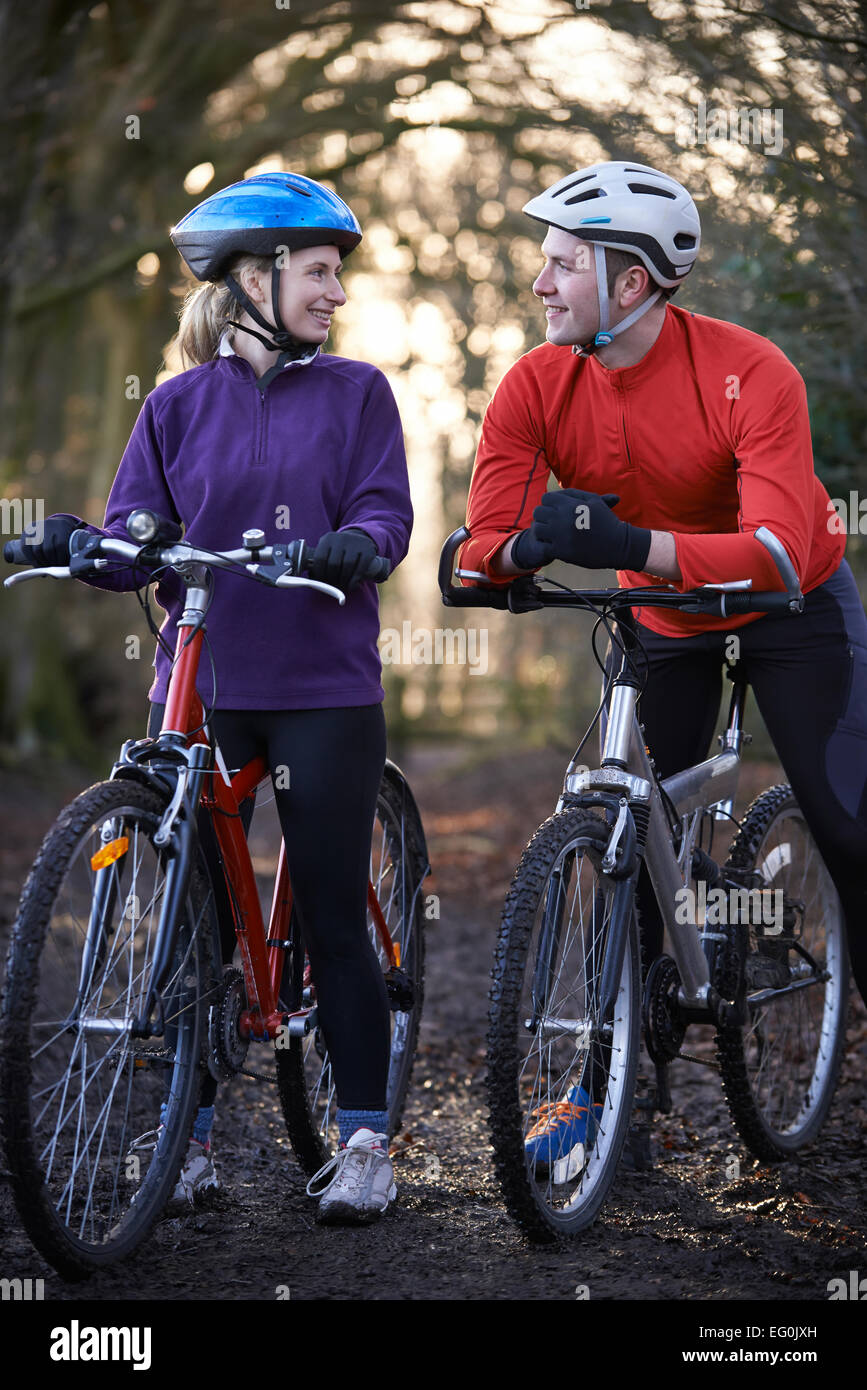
202, 1126
350, 1120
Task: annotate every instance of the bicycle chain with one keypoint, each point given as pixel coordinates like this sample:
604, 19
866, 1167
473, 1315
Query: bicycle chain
699, 1061
259, 1076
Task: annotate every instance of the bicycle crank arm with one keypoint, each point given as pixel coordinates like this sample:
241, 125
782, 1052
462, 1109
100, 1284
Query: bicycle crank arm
764, 995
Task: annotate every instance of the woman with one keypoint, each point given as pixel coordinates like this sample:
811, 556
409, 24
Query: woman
265, 431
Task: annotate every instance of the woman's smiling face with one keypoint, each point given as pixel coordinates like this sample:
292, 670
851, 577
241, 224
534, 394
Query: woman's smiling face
310, 292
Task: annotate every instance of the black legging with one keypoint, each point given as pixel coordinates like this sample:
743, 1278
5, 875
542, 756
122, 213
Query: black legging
809, 675
334, 759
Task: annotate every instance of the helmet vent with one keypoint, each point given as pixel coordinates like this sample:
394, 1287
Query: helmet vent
575, 183
651, 188
585, 197
684, 241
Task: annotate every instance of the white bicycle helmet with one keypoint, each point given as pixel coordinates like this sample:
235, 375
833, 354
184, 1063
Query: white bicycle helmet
629, 207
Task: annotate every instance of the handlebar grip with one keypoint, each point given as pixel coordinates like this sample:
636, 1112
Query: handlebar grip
770, 602
18, 552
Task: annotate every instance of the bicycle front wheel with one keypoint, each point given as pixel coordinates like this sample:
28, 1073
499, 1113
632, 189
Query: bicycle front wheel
779, 1071
95, 1120
561, 1077
398, 862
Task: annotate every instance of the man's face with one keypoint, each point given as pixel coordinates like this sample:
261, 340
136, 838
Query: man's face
567, 286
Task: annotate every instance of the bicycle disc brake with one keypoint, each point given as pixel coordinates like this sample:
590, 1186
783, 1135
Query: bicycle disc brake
227, 1050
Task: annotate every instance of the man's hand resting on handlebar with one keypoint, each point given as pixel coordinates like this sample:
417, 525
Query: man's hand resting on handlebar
581, 528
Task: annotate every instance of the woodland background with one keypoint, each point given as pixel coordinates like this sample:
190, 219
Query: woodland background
436, 121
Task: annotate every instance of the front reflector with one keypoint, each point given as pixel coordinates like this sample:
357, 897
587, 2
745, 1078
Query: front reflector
110, 852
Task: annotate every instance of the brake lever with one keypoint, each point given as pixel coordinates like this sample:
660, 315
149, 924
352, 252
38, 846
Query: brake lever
282, 572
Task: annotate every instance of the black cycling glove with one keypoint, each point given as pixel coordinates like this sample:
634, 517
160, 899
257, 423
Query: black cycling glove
342, 557
529, 553
580, 527
53, 548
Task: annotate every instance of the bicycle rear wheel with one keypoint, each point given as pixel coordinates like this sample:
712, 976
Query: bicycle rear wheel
779, 1071
398, 863
552, 1057
80, 1095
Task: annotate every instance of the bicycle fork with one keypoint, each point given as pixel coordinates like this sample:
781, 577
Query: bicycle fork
640, 831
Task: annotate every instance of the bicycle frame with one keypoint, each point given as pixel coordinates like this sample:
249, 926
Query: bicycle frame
627, 773
184, 736
625, 785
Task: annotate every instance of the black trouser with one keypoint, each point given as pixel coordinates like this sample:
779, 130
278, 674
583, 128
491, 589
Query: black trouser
809, 676
334, 759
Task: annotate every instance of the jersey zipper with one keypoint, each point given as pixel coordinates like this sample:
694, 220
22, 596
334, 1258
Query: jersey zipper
623, 426
258, 459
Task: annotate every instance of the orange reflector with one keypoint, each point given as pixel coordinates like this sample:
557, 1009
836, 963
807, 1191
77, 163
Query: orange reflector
109, 853
396, 946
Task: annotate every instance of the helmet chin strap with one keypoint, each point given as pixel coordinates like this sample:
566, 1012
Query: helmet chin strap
280, 339
606, 335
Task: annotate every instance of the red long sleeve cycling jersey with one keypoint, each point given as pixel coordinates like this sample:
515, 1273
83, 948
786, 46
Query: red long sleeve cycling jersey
707, 437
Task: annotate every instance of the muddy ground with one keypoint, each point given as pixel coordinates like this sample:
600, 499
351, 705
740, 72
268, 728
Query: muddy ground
696, 1227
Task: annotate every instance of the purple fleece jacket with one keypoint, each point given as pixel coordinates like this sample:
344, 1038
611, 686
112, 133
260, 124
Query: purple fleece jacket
321, 448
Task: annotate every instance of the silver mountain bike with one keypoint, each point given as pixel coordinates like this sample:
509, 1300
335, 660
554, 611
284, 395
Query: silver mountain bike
758, 942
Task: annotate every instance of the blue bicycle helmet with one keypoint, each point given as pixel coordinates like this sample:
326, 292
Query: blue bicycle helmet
259, 216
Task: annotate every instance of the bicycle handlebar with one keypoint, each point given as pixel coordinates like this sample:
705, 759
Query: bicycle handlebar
524, 594
277, 565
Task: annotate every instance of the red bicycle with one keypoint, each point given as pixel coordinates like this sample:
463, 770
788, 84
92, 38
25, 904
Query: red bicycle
116, 1001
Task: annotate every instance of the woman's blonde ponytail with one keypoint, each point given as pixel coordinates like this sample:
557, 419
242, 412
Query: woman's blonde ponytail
207, 310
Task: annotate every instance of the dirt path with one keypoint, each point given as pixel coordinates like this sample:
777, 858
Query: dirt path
707, 1223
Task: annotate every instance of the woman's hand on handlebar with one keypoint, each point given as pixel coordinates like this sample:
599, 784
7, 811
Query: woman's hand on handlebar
343, 558
52, 549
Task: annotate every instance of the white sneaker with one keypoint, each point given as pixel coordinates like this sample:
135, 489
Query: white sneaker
198, 1174
362, 1185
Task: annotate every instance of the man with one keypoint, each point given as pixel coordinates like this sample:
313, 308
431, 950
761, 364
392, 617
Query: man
697, 431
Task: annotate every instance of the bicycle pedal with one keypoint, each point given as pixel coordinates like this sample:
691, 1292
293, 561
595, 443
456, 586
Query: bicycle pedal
401, 994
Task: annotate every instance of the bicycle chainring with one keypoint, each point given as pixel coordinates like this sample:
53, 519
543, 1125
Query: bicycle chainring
664, 1029
227, 1050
